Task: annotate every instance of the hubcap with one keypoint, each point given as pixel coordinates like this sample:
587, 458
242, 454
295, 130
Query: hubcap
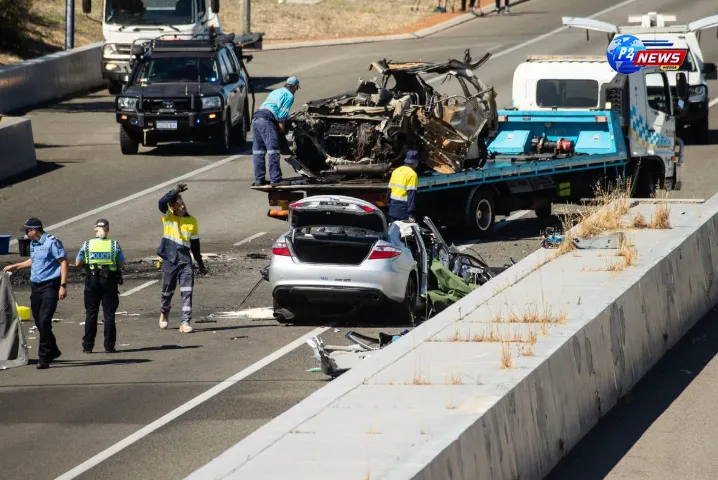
483, 214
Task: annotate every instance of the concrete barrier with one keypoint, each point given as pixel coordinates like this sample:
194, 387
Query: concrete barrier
50, 78
17, 147
437, 404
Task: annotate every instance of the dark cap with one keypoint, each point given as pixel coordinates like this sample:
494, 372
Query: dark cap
412, 156
32, 222
102, 223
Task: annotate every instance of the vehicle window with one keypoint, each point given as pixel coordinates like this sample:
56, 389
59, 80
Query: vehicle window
689, 64
657, 92
227, 67
201, 6
234, 60
178, 69
567, 93
149, 12
339, 231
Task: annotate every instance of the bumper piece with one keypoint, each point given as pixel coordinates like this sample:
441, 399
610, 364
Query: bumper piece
327, 301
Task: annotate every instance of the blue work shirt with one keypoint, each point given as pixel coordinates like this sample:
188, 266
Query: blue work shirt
279, 102
45, 256
119, 258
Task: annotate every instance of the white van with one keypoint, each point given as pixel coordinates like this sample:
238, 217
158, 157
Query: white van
652, 26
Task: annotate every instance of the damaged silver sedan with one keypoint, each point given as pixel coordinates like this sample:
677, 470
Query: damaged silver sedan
367, 132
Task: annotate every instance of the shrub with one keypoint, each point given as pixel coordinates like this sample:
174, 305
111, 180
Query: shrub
13, 19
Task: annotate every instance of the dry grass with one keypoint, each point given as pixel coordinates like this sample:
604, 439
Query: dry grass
661, 219
450, 405
454, 379
373, 431
531, 314
639, 221
329, 19
491, 334
506, 359
612, 205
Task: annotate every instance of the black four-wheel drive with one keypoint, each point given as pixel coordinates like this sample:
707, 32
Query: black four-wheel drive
185, 90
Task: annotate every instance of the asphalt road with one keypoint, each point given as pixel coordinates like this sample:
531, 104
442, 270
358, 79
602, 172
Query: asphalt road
52, 421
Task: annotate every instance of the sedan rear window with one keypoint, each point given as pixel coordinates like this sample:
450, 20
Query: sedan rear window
567, 93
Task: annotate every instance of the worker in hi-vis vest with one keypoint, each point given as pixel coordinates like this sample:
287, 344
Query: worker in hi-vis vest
402, 189
102, 259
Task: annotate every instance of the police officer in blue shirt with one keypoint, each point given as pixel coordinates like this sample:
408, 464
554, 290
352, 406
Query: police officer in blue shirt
48, 274
267, 126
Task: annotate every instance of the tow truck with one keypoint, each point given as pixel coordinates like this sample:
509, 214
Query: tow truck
656, 27
573, 122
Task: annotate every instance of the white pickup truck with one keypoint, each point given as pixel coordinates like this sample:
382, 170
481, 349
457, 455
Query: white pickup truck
644, 101
124, 21
655, 26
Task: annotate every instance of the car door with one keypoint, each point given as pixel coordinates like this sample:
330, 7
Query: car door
661, 128
231, 89
242, 81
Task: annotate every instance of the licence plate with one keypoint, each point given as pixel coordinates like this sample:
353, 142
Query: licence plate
167, 125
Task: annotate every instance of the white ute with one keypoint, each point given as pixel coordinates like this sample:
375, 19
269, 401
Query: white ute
644, 100
655, 26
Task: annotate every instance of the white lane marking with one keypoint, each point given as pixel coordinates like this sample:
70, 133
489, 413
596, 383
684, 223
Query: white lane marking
546, 35
139, 194
182, 409
249, 239
137, 289
713, 103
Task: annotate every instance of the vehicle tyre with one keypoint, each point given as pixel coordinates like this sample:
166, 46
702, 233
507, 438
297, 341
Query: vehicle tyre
406, 310
701, 131
543, 212
645, 184
114, 88
222, 138
239, 133
481, 216
128, 144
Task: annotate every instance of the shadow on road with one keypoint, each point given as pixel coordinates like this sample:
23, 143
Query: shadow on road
157, 348
601, 450
95, 363
41, 169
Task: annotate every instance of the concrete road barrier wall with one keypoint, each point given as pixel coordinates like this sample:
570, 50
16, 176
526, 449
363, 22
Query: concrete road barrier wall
438, 403
49, 78
17, 147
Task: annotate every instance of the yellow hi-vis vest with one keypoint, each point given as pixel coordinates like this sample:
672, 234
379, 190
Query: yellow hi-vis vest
402, 180
101, 251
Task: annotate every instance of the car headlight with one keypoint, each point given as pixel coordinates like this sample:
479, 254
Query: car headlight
697, 90
109, 49
211, 103
127, 103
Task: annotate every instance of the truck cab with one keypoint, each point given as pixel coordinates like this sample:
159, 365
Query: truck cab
644, 100
655, 26
124, 21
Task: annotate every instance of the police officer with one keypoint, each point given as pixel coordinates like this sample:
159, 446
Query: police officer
402, 189
48, 274
102, 258
180, 238
268, 124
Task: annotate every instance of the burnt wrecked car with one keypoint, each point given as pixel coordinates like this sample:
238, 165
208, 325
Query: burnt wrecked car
367, 132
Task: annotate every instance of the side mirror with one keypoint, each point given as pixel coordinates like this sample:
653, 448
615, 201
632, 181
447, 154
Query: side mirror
137, 50
681, 85
215, 6
709, 71
233, 78
247, 58
86, 6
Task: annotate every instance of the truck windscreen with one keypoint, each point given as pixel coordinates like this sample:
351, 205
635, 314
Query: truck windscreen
149, 12
567, 93
179, 70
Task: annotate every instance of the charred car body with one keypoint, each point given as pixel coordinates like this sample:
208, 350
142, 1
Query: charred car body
367, 132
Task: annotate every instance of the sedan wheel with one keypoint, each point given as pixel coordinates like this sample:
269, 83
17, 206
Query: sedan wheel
406, 310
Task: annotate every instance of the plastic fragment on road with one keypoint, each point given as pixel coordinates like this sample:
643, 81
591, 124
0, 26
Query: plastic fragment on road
56, 320
124, 345
314, 370
336, 330
262, 313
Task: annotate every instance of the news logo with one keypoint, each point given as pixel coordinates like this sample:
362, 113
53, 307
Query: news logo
627, 54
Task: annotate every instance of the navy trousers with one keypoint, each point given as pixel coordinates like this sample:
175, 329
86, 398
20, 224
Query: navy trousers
109, 297
43, 303
265, 141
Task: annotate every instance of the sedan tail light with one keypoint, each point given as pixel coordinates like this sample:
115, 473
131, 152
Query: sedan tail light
281, 249
384, 252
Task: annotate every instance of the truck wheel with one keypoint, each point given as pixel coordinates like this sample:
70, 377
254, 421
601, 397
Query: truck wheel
543, 212
645, 184
114, 88
128, 144
482, 215
222, 137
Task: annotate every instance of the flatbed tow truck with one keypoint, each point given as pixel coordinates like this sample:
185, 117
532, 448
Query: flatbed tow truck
541, 156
